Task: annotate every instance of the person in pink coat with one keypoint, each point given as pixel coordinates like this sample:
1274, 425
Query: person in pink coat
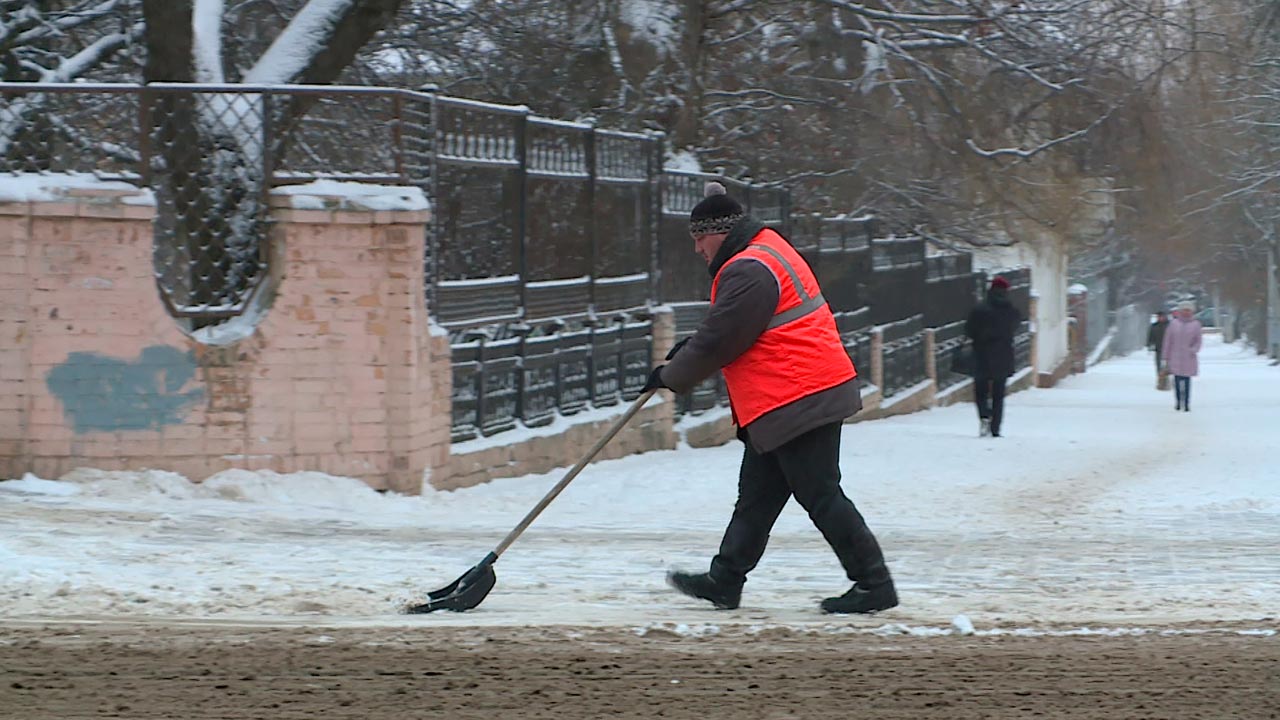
1180, 350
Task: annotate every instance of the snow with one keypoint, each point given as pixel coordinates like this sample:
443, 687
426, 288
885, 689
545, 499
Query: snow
1104, 345
557, 426
495, 280
40, 187
1101, 512
305, 37
1077, 289
655, 21
240, 327
206, 26
321, 195
68, 69
561, 282
682, 160
622, 279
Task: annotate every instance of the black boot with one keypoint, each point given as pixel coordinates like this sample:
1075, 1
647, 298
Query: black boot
702, 586
861, 599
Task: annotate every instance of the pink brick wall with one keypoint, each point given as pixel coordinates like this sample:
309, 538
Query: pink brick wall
343, 375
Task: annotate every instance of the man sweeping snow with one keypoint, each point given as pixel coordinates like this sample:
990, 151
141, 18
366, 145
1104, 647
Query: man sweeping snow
791, 385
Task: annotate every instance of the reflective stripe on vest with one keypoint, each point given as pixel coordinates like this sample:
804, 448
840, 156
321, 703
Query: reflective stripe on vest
807, 304
800, 352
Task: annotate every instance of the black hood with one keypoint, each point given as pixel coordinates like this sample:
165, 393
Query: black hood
736, 241
998, 298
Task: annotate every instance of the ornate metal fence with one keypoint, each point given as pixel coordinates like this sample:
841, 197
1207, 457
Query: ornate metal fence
1022, 347
897, 278
903, 355
948, 341
948, 289
543, 246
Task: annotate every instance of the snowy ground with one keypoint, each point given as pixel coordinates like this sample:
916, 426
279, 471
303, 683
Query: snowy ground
1102, 508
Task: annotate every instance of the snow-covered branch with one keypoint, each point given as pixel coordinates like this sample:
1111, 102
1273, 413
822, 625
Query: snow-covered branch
206, 40
295, 49
16, 115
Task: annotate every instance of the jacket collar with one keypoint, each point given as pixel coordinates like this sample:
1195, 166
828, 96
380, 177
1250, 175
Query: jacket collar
739, 237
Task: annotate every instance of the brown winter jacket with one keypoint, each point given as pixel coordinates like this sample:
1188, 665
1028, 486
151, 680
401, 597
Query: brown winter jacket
745, 301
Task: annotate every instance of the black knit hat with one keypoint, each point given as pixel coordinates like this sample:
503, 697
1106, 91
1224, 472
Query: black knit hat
716, 213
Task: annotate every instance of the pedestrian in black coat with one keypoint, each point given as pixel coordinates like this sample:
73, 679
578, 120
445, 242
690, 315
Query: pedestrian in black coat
992, 326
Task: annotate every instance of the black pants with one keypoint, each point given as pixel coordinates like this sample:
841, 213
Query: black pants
1159, 357
988, 395
809, 468
1182, 390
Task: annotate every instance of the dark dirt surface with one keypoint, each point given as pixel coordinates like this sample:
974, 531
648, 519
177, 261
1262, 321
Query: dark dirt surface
207, 671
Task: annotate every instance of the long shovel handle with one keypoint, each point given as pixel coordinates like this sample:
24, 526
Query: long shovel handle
564, 482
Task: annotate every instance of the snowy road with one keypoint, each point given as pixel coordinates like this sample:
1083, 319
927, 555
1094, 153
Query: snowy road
1102, 507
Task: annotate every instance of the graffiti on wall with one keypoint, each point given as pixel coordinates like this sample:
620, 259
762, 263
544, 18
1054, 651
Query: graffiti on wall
99, 392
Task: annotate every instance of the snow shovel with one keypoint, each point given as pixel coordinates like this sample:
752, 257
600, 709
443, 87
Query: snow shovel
471, 589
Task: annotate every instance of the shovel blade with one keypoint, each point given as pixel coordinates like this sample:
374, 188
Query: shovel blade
462, 594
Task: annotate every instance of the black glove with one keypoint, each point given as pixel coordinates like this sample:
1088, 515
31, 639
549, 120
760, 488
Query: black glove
655, 380
676, 348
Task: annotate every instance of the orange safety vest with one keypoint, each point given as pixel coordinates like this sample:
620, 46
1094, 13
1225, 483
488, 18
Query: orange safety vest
800, 352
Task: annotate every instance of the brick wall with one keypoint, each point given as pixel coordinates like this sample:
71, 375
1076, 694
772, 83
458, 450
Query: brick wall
342, 375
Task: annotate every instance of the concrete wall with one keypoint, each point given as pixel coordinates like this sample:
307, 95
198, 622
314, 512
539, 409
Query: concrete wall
341, 373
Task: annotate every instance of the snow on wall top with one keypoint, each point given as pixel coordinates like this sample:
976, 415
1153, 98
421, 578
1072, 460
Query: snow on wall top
52, 187
335, 194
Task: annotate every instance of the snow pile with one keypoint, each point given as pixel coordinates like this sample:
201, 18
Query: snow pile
962, 625
33, 485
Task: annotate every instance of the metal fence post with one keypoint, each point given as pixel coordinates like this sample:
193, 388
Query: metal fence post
267, 154
144, 136
656, 184
397, 135
522, 203
432, 246
593, 232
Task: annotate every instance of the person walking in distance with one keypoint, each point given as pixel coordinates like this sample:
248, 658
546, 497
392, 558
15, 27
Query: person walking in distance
791, 385
1155, 341
992, 325
1181, 350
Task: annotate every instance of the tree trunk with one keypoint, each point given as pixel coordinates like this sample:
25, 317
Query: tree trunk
688, 125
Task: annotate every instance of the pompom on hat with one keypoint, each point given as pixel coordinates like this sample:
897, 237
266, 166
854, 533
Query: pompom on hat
715, 213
